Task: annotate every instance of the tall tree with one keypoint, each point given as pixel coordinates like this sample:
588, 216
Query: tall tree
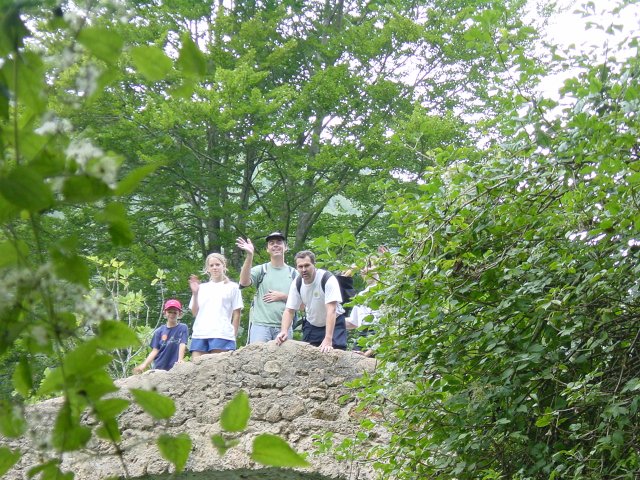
291, 110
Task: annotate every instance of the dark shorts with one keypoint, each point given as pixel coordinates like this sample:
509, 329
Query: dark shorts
315, 335
208, 344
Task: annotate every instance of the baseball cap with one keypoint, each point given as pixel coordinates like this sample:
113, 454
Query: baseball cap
273, 235
172, 303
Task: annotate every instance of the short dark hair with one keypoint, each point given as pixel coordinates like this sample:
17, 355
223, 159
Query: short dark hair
306, 253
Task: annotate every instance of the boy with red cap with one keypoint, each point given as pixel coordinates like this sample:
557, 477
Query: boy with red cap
169, 341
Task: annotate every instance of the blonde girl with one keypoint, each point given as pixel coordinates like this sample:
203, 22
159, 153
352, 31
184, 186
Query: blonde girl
216, 306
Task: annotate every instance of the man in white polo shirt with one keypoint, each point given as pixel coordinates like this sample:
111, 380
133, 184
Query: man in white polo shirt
319, 292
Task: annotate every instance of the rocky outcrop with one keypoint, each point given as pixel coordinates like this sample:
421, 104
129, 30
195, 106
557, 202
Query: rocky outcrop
294, 391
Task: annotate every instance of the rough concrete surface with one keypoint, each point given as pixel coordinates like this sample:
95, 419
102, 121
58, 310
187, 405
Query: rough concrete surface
294, 392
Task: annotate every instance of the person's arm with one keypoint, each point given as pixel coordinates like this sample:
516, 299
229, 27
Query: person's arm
287, 318
245, 271
353, 321
184, 337
143, 366
235, 320
181, 350
194, 284
327, 343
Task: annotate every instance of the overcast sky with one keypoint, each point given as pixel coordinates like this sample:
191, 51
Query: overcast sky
570, 27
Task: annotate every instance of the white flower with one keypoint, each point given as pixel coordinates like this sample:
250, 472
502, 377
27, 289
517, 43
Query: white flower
87, 81
82, 150
105, 168
73, 18
54, 125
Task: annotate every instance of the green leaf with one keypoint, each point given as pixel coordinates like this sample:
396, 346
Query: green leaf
25, 75
110, 407
4, 104
191, 60
68, 434
128, 184
151, 62
102, 43
84, 189
68, 264
113, 334
175, 449
12, 251
544, 420
8, 211
49, 471
22, 379
85, 360
235, 414
271, 450
222, 444
26, 189
183, 91
12, 30
155, 404
115, 216
12, 421
51, 383
633, 179
8, 458
632, 385
109, 430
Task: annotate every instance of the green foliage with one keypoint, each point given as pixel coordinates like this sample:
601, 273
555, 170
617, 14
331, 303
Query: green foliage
7, 459
267, 449
508, 348
271, 450
339, 251
235, 414
155, 404
175, 449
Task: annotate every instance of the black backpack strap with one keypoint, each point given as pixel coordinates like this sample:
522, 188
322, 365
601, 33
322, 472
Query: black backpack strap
325, 278
327, 275
299, 284
263, 272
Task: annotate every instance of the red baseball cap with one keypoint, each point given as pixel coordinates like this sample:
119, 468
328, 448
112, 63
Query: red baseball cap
172, 303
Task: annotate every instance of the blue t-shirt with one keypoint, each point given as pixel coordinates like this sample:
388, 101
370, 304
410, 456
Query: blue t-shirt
167, 341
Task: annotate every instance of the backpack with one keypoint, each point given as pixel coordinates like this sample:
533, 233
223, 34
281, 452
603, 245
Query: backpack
346, 288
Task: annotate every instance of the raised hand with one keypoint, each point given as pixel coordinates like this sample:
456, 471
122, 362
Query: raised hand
194, 283
245, 245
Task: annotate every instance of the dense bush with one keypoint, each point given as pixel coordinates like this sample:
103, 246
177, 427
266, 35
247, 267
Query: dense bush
510, 345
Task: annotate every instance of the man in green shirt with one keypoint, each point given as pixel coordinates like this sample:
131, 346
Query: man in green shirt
272, 281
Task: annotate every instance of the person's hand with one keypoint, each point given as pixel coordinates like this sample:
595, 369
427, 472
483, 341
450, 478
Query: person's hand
274, 296
326, 345
194, 283
138, 370
245, 245
368, 353
382, 249
281, 338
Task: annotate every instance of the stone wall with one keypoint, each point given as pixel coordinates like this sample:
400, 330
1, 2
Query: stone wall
294, 391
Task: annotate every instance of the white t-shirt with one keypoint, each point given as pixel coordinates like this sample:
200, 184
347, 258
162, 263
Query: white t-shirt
216, 303
359, 314
315, 299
